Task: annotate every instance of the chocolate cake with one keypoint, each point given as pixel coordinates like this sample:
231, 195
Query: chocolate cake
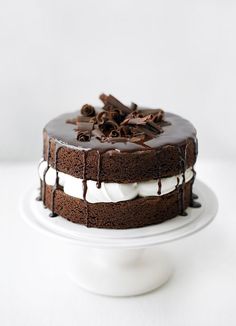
118, 166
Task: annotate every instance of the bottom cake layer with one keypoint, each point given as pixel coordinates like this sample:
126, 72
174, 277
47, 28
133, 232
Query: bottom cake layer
134, 213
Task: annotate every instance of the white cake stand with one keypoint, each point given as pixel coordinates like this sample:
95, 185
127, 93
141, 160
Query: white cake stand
119, 262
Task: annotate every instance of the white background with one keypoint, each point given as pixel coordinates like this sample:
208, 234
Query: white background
57, 55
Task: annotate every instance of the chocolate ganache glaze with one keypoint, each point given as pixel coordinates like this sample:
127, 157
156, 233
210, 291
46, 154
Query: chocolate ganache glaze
175, 130
93, 136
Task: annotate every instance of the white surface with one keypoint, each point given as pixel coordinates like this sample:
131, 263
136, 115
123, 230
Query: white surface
35, 292
119, 262
56, 55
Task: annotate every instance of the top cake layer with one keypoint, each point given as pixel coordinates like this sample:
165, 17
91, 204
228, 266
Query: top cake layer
123, 146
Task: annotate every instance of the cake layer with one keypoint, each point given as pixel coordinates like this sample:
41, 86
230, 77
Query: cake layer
163, 156
112, 192
138, 212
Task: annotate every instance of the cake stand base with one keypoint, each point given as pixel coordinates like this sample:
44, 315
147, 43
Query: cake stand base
119, 262
121, 272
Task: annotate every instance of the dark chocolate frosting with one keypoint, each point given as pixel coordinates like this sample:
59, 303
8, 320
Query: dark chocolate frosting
175, 132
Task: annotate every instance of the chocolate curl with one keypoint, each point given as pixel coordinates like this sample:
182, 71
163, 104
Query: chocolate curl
138, 138
103, 98
125, 131
136, 131
148, 125
114, 133
134, 121
158, 116
88, 126
84, 131
111, 100
87, 110
102, 117
78, 119
83, 135
150, 129
112, 115
108, 107
144, 129
93, 120
83, 119
98, 134
156, 129
134, 114
148, 117
165, 123
116, 115
108, 126
72, 121
133, 107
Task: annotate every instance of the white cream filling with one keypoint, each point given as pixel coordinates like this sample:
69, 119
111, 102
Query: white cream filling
109, 191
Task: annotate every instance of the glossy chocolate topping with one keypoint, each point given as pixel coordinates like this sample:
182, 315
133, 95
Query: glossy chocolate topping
176, 132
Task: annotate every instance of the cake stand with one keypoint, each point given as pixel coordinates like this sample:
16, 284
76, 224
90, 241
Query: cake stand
119, 262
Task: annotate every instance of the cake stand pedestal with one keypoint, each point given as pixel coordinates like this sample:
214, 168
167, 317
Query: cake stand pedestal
119, 262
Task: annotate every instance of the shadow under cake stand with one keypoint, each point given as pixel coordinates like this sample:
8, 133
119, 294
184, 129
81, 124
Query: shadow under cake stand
119, 262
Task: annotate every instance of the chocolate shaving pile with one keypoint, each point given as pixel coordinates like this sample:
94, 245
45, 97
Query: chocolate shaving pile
117, 122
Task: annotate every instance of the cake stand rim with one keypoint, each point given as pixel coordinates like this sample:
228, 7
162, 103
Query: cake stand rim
144, 239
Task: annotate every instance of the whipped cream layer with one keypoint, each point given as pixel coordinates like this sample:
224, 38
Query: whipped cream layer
109, 191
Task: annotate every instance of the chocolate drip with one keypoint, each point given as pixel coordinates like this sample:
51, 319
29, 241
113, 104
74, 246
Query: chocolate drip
159, 181
55, 187
85, 187
192, 182
98, 184
193, 203
43, 188
194, 196
177, 184
182, 155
